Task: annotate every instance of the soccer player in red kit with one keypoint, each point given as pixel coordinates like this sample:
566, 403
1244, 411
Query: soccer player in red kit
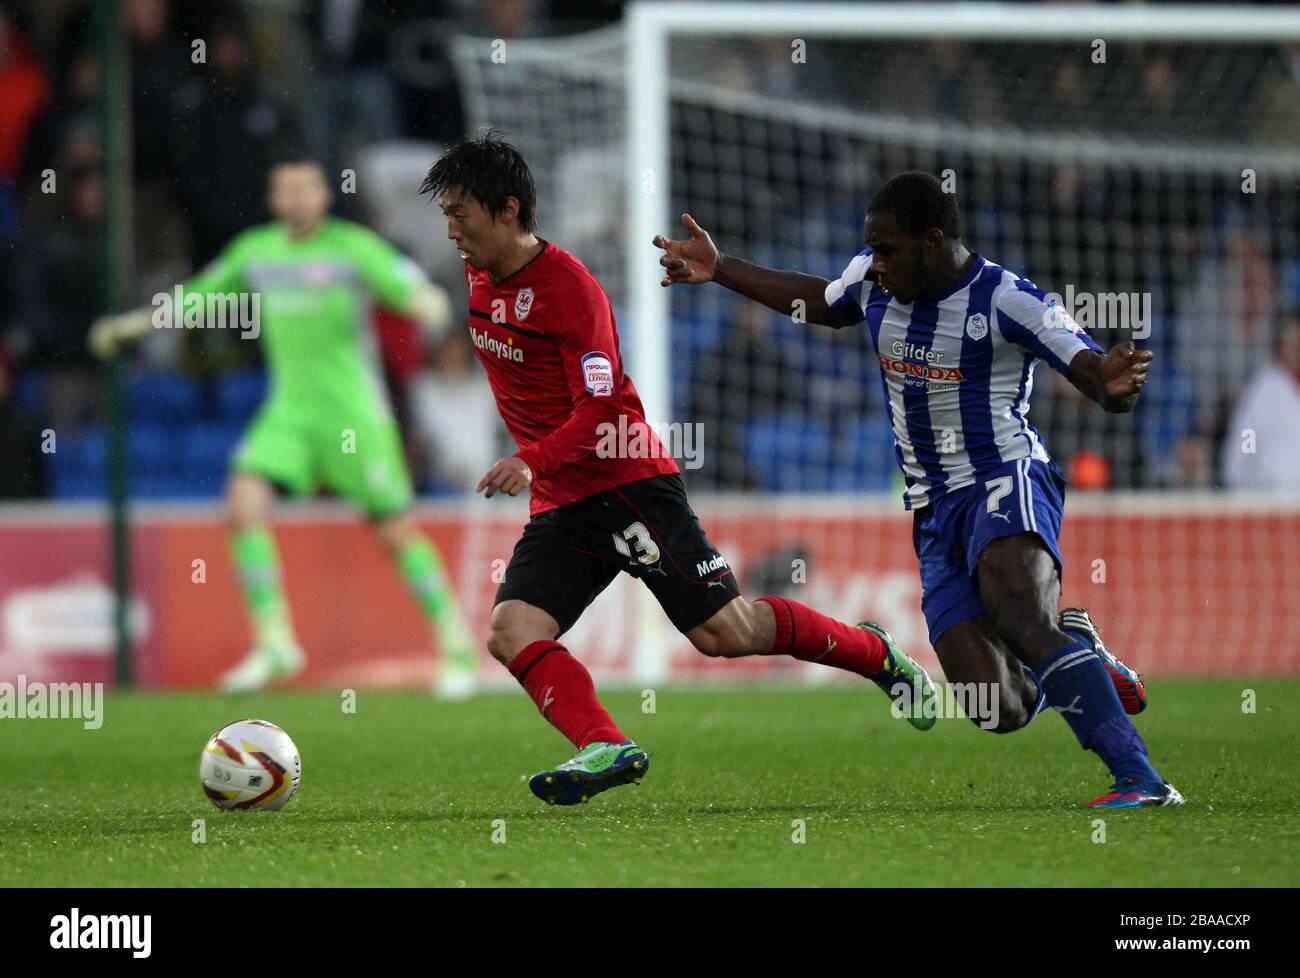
544, 330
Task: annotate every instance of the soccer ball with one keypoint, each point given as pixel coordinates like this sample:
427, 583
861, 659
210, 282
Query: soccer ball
250, 764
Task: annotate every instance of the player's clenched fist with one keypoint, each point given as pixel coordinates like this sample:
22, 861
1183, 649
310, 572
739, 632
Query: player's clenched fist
691, 261
508, 475
1123, 372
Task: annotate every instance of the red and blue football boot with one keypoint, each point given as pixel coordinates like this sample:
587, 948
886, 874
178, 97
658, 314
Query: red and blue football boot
1131, 793
1126, 679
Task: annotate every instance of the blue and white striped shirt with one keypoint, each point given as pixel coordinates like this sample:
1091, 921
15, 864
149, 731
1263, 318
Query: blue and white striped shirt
958, 371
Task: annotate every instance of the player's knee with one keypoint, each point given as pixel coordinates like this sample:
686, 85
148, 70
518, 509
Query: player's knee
502, 640
395, 532
499, 645
727, 635
513, 628
708, 642
503, 644
246, 504
719, 643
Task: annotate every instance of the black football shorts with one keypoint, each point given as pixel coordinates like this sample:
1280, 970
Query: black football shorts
569, 554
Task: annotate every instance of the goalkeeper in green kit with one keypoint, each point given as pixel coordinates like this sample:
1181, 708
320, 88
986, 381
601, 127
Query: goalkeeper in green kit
327, 418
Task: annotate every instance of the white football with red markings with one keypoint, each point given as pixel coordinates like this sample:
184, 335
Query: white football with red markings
250, 764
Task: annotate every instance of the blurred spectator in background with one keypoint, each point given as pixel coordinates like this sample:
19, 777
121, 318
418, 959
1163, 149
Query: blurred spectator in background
163, 80
353, 99
506, 19
1223, 334
66, 135
22, 475
455, 418
60, 291
1160, 101
1274, 115
229, 129
160, 67
60, 286
1267, 420
951, 72
1194, 459
420, 61
26, 90
401, 352
744, 376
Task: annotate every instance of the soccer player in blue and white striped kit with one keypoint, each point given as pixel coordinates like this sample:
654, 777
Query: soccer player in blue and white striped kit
958, 338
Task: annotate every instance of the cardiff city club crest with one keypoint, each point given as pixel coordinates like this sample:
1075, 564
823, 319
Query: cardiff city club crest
523, 303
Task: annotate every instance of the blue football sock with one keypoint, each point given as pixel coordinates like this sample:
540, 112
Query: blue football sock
1042, 702
1080, 637
1080, 688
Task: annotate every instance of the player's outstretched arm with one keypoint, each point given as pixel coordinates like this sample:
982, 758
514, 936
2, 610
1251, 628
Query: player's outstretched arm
1115, 380
696, 260
109, 334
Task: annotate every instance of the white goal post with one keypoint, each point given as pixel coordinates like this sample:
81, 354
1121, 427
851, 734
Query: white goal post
649, 27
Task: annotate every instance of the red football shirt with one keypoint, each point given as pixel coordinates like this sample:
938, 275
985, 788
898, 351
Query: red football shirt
547, 339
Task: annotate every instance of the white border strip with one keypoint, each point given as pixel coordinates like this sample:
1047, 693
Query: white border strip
967, 21
1118, 505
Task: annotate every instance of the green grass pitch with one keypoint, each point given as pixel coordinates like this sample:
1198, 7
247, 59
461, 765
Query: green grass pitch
409, 791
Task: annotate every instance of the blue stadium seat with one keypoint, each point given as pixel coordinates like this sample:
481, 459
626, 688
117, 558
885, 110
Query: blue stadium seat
171, 485
197, 455
206, 455
696, 326
694, 329
156, 395
78, 465
29, 391
239, 394
789, 453
865, 458
153, 447
1167, 412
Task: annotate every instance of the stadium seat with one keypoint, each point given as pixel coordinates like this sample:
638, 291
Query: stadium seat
172, 486
78, 466
698, 331
158, 395
864, 457
206, 454
789, 453
1167, 412
153, 447
29, 391
239, 394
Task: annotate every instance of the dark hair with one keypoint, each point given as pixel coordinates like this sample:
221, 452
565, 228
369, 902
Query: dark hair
293, 156
918, 203
489, 170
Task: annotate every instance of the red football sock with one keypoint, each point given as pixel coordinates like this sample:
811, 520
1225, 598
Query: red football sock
811, 636
562, 689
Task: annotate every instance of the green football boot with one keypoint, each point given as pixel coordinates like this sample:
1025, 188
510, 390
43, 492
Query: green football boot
904, 682
596, 767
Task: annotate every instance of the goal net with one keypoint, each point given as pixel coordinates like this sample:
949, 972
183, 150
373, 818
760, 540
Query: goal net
1143, 164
